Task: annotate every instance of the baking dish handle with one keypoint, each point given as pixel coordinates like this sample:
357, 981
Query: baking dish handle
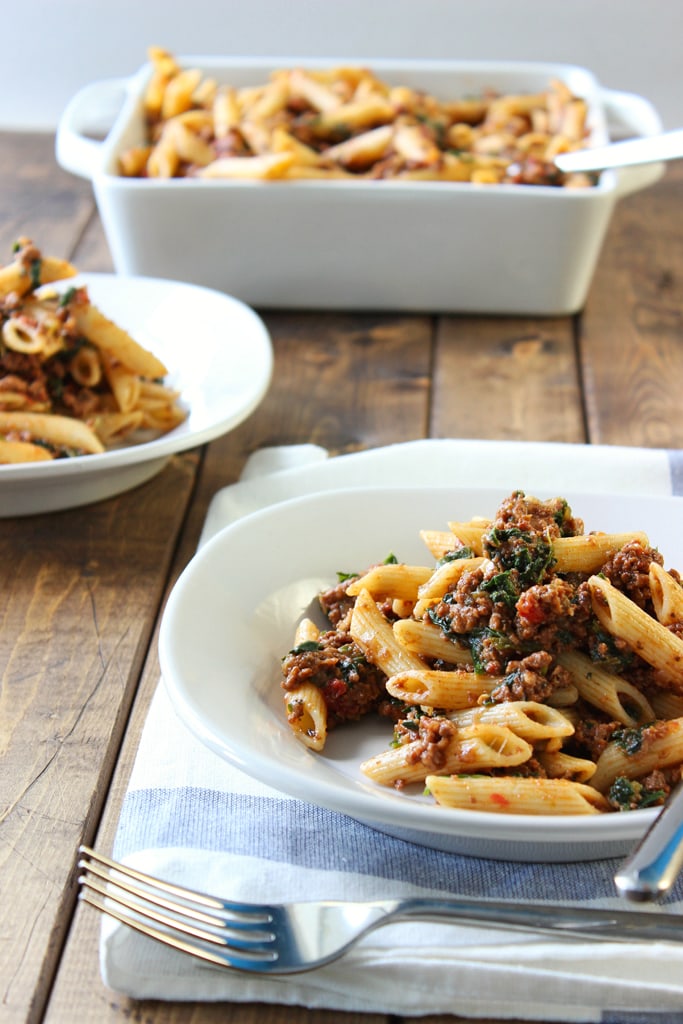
628, 115
85, 122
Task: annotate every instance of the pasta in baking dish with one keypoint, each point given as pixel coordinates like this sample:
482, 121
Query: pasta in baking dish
531, 668
72, 382
346, 124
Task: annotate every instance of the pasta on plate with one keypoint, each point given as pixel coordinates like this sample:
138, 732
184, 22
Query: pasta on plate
528, 667
72, 382
345, 123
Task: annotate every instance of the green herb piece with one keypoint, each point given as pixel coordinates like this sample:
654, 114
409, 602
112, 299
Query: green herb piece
36, 267
456, 555
630, 795
307, 645
630, 740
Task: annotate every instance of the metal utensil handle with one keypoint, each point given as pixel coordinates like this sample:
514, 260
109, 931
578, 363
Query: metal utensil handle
668, 146
652, 868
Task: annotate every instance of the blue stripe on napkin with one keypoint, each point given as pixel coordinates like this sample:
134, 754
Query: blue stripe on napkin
302, 835
676, 470
624, 1017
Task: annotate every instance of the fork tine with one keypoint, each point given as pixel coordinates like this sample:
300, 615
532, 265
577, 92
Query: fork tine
215, 956
146, 894
252, 913
112, 882
123, 900
256, 929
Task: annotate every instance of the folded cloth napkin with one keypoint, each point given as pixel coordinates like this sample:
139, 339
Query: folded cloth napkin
191, 818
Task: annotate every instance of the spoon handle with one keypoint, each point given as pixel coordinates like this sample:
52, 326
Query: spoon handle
648, 150
654, 865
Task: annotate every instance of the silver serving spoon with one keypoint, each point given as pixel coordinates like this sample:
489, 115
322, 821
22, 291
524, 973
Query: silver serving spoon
653, 867
648, 150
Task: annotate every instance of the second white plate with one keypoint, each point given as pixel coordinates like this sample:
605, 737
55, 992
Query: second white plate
219, 356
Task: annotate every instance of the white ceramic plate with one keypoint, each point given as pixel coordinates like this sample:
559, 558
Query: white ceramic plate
231, 618
219, 357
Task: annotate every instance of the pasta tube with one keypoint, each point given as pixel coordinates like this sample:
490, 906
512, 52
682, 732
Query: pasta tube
436, 689
528, 719
60, 431
587, 552
469, 749
622, 701
645, 635
391, 580
307, 715
637, 752
508, 795
667, 595
374, 635
427, 640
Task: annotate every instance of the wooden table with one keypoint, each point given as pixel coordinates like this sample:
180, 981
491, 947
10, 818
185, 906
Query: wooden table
82, 590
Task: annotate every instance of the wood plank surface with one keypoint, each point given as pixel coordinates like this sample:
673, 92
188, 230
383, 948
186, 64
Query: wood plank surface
507, 379
83, 590
341, 382
631, 330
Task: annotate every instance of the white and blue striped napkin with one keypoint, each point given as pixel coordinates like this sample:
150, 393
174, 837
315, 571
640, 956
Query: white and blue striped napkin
191, 818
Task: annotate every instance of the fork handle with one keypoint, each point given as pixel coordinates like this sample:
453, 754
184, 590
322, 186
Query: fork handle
584, 922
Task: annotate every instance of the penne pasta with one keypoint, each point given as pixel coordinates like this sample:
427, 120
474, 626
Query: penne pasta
622, 701
376, 638
559, 765
391, 580
470, 534
508, 672
307, 715
667, 595
643, 634
516, 796
425, 639
116, 342
634, 753
443, 579
528, 719
82, 380
439, 542
59, 432
346, 122
436, 689
470, 749
588, 552
22, 451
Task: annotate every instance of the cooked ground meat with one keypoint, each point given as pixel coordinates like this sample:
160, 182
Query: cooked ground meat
431, 743
662, 779
552, 518
465, 608
531, 769
351, 687
335, 603
531, 678
554, 615
23, 373
628, 571
592, 736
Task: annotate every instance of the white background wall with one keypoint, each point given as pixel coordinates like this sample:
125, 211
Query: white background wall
50, 49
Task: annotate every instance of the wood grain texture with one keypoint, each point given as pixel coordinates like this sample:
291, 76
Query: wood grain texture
506, 379
82, 591
345, 383
38, 199
631, 334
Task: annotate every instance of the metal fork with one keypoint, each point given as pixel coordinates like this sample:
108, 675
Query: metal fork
287, 938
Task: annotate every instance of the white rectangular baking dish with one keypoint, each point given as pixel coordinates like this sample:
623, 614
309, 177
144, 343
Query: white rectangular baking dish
362, 245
